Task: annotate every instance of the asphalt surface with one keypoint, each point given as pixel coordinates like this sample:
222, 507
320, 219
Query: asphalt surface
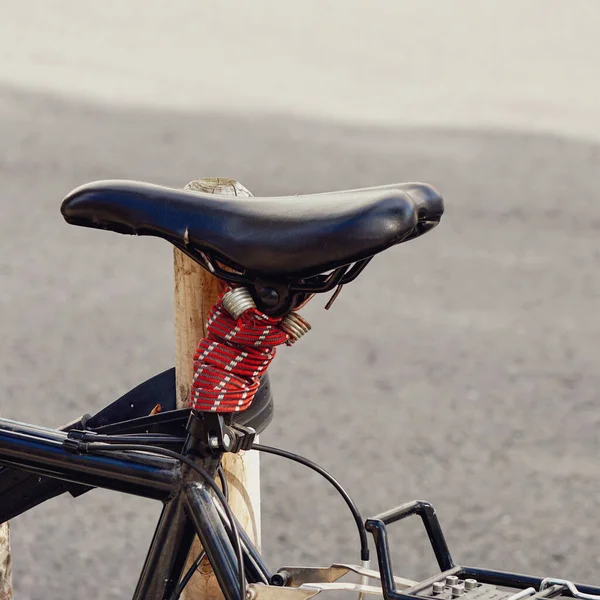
460, 368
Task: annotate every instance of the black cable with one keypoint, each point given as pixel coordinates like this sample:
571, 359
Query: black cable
186, 579
260, 572
362, 532
133, 438
99, 448
223, 480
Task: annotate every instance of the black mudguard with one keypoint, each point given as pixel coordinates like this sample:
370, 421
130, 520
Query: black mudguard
21, 491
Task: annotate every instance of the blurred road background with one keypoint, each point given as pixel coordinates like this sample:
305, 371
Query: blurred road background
460, 368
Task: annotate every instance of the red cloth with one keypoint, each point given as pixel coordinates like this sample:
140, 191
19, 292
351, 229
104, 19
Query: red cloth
232, 357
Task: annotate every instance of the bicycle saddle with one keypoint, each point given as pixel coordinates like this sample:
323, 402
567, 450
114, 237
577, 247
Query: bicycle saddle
292, 237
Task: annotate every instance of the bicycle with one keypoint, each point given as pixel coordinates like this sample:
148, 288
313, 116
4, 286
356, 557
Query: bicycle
274, 254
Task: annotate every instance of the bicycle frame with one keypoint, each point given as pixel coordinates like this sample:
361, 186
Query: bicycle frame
189, 508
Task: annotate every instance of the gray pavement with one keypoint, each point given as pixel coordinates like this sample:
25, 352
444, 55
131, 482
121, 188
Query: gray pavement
460, 368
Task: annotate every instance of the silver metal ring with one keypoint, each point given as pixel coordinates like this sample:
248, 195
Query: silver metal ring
237, 301
295, 326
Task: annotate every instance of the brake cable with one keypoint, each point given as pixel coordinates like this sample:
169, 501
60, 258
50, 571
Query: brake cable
362, 532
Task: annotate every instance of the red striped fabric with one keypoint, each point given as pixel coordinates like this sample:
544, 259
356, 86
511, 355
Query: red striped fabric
231, 358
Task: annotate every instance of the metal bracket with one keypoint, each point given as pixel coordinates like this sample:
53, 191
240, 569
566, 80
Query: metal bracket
209, 429
306, 582
297, 576
257, 591
216, 435
243, 437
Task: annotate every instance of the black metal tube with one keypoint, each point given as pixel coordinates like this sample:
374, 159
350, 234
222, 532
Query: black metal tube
167, 554
256, 568
377, 528
431, 523
213, 536
40, 451
501, 578
517, 579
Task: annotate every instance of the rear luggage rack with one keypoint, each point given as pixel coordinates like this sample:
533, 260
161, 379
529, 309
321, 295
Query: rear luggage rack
452, 582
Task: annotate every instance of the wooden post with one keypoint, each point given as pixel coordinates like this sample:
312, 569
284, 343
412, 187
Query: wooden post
196, 291
5, 563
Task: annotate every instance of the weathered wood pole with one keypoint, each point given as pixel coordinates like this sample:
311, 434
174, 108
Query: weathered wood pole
196, 291
5, 563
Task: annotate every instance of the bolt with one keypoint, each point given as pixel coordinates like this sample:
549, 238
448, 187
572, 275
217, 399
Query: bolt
438, 587
226, 441
470, 584
451, 580
457, 590
250, 593
268, 296
213, 442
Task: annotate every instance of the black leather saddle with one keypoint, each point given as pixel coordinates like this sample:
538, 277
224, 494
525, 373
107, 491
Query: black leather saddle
290, 241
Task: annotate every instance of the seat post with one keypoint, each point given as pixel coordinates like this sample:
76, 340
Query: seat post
196, 291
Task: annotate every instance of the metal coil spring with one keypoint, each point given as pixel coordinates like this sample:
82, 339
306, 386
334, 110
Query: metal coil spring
295, 326
237, 301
